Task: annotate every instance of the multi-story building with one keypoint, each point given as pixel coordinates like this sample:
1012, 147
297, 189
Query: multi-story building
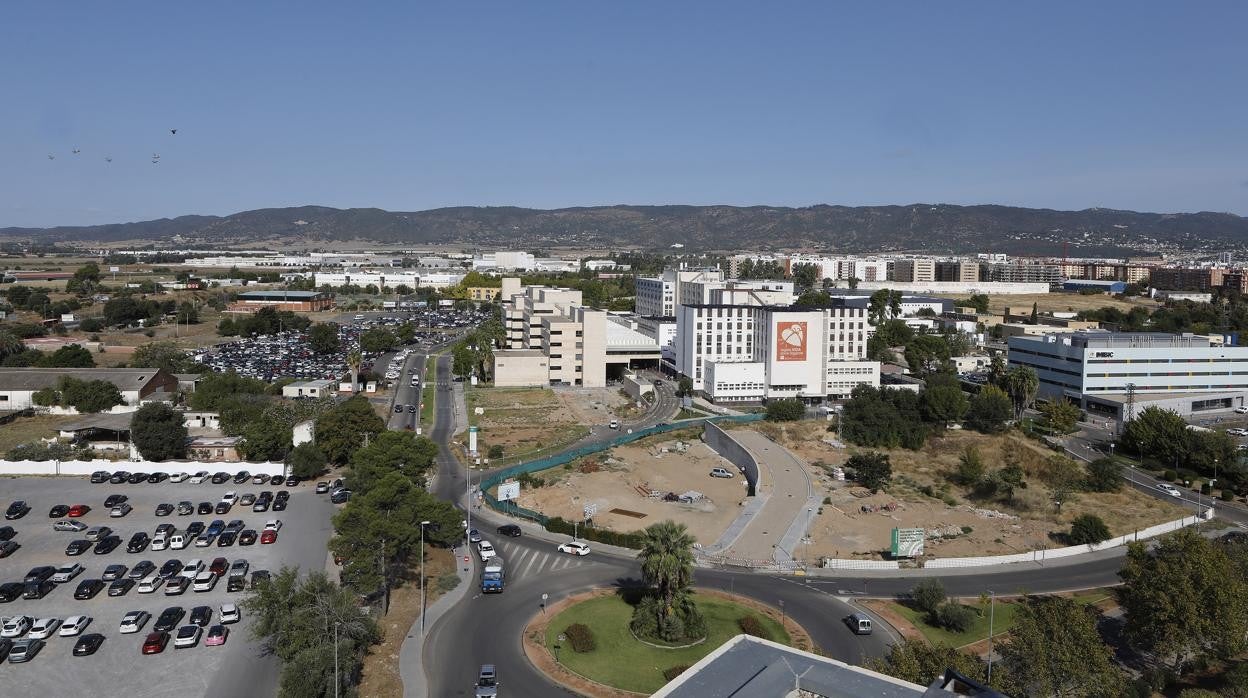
658, 296
388, 279
1112, 373
958, 270
294, 301
920, 269
1018, 271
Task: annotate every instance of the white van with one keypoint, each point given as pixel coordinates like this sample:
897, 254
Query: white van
859, 623
178, 541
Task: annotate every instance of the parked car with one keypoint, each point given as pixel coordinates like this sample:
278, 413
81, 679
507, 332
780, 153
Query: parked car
66, 573
58, 511
88, 644
69, 526
88, 588
16, 510
199, 477
74, 625
217, 635
120, 510
721, 472
164, 509
77, 510
113, 572
114, 499
120, 587
133, 621
25, 650
155, 642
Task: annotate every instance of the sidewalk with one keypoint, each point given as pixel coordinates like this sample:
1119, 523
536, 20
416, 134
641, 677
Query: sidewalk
411, 664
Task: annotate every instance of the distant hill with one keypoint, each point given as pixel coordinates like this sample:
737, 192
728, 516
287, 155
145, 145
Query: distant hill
929, 227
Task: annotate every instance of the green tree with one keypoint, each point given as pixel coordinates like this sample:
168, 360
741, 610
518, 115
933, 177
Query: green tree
378, 339
158, 432
266, 439
1159, 433
89, 396
996, 369
785, 410
989, 410
667, 563
927, 354
805, 276
344, 429
70, 356
943, 402
928, 596
1104, 475
1087, 529
307, 461
1055, 650
916, 661
216, 389
463, 360
684, 387
188, 314
164, 355
392, 451
1060, 416
971, 467
872, 469
1184, 600
979, 302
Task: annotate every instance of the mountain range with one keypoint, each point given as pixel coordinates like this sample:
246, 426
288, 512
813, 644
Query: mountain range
937, 228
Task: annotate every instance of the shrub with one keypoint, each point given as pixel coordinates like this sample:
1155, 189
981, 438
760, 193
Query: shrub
954, 616
787, 410
672, 672
580, 637
1169, 476
447, 582
1205, 489
750, 625
928, 595
1227, 496
601, 535
827, 500
967, 529
1104, 475
1088, 528
496, 451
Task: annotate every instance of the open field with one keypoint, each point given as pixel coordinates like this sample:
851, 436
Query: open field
27, 429
1058, 302
524, 421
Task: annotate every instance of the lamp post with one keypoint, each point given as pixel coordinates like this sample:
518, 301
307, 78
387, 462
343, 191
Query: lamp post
336, 624
992, 607
558, 642
422, 576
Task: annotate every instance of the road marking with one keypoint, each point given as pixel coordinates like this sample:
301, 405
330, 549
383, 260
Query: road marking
559, 564
530, 565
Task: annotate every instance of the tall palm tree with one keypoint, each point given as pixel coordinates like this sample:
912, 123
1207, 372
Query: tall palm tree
354, 361
667, 561
10, 344
1021, 383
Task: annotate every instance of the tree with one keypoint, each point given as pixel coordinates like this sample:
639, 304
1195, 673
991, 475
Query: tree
872, 469
1060, 416
70, 356
1184, 600
928, 596
217, 389
916, 661
1035, 314
805, 276
89, 396
158, 432
392, 451
378, 339
344, 429
1021, 383
785, 410
684, 387
164, 355
463, 360
1055, 650
927, 354
266, 439
979, 302
989, 410
996, 369
307, 461
883, 418
1157, 432
354, 361
1104, 475
1087, 529
667, 565
943, 403
44, 451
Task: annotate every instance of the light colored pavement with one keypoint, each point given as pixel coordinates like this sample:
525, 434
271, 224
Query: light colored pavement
789, 493
411, 671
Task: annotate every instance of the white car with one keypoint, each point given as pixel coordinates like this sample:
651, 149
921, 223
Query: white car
178, 477
150, 584
178, 541
120, 510
229, 613
192, 568
485, 550
199, 477
43, 628
205, 581
575, 547
1170, 490
204, 540
273, 525
134, 621
74, 625
721, 472
65, 573
230, 498
160, 543
187, 636
15, 626
1241, 410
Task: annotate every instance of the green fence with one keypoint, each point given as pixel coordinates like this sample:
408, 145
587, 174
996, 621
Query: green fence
555, 461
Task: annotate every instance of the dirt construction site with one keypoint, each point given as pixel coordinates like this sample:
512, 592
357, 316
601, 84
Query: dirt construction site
638, 484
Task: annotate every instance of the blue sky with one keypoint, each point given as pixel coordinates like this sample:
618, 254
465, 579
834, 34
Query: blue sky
414, 105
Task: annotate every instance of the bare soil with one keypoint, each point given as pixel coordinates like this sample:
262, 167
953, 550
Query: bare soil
521, 420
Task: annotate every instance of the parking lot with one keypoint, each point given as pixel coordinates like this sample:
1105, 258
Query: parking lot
283, 354
118, 667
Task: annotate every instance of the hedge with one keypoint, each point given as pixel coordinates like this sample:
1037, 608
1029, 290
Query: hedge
600, 535
751, 626
672, 672
580, 637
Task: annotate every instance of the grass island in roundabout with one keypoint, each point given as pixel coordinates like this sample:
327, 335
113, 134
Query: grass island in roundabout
629, 639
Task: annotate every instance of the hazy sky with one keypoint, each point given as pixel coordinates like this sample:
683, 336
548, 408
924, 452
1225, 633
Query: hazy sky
412, 105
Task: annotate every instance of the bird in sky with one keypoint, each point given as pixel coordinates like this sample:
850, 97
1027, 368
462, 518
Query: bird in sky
107, 159
51, 156
77, 150
173, 131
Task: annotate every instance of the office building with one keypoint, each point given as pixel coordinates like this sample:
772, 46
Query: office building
294, 301
657, 296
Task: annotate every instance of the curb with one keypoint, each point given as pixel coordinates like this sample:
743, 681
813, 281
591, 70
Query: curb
411, 659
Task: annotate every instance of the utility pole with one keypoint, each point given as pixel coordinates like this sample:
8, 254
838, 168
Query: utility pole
422, 576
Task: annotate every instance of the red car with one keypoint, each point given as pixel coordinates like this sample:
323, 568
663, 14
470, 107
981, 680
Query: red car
268, 537
155, 642
78, 510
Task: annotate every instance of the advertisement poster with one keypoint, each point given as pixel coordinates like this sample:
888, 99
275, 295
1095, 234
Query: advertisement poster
790, 341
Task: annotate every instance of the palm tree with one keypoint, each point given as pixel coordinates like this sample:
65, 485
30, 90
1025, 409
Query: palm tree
667, 561
10, 344
354, 361
1021, 383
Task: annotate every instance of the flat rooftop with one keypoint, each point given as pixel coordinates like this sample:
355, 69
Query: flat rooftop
281, 295
1103, 339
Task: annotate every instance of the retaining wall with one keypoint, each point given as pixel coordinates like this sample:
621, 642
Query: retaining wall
51, 467
722, 443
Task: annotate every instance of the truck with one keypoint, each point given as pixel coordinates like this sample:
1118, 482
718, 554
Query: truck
492, 577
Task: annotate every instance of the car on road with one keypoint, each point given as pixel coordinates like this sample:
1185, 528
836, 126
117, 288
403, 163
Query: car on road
60, 510
77, 510
575, 547
133, 621
1241, 410
16, 510
474, 536
120, 587
24, 650
88, 588
509, 530
398, 408
69, 526
615, 424
155, 642
1170, 489
485, 550
721, 472
216, 636
74, 625
487, 682
65, 573
43, 628
88, 644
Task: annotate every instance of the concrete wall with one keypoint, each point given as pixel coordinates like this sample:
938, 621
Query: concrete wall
990, 287
49, 467
723, 444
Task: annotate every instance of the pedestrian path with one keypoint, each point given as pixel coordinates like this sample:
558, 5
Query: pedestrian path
522, 561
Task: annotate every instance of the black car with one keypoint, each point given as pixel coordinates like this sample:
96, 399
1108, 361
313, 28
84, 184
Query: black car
88, 644
17, 510
201, 615
235, 525
282, 494
247, 537
113, 572
220, 478
236, 583
107, 545
340, 496
138, 542
411, 408
113, 500
170, 568
205, 508
185, 508
279, 505
398, 409
156, 478
120, 587
77, 547
58, 511
226, 539
141, 569
169, 618
7, 533
7, 548
37, 590
222, 508
292, 481
10, 591
87, 589
136, 478
39, 574
194, 528
510, 530
164, 509
5, 646
99, 477
242, 477
275, 480
119, 477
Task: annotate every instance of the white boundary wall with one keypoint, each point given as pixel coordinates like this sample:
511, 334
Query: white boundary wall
1042, 555
51, 467
837, 564
939, 287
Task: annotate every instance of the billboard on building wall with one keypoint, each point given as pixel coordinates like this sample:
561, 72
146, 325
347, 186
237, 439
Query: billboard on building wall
790, 341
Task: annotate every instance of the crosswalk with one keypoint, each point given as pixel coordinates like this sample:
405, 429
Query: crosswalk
522, 561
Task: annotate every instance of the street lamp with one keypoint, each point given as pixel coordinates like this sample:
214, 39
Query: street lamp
992, 607
336, 624
422, 576
559, 641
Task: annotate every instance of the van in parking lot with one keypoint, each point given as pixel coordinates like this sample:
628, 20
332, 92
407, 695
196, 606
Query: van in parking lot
178, 541
859, 623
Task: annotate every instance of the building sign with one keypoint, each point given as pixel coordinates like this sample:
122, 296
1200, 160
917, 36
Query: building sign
790, 341
908, 542
508, 491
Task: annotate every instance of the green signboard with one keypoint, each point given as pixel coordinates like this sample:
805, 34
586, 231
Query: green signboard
908, 542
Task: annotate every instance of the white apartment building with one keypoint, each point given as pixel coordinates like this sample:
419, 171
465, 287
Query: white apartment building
659, 296
752, 353
752, 292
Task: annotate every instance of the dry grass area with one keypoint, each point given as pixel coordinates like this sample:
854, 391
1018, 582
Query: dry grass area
26, 429
381, 667
1059, 302
853, 523
617, 479
521, 420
